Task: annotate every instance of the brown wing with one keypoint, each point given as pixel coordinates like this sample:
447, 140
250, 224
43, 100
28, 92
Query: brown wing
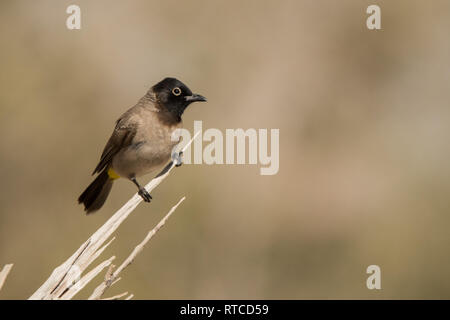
122, 137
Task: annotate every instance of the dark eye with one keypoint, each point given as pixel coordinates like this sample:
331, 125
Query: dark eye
176, 91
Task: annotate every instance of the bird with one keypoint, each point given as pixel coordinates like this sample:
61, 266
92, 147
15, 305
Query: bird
141, 141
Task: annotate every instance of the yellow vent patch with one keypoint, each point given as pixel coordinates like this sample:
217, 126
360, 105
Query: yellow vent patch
112, 174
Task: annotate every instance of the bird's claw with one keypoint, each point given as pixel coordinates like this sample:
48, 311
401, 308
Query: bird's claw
145, 195
177, 158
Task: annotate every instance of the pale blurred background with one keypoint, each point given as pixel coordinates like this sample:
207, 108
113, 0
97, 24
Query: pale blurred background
364, 159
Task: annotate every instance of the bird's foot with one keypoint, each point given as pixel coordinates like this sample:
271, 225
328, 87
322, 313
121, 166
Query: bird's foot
145, 195
177, 158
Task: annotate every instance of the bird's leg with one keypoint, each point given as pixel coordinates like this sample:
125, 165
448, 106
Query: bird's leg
142, 192
177, 158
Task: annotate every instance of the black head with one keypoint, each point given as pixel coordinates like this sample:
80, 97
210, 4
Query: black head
174, 96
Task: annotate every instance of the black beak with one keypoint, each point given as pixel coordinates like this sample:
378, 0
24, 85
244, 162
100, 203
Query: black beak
195, 97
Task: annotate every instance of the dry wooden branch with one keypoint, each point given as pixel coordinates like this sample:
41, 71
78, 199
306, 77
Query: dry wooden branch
65, 281
117, 297
80, 284
111, 277
4, 273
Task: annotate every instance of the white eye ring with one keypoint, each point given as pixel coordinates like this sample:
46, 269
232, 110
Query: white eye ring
176, 91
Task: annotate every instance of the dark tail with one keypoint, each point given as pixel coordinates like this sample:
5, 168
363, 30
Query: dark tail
96, 193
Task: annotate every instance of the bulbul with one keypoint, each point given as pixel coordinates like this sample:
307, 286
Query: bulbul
141, 140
